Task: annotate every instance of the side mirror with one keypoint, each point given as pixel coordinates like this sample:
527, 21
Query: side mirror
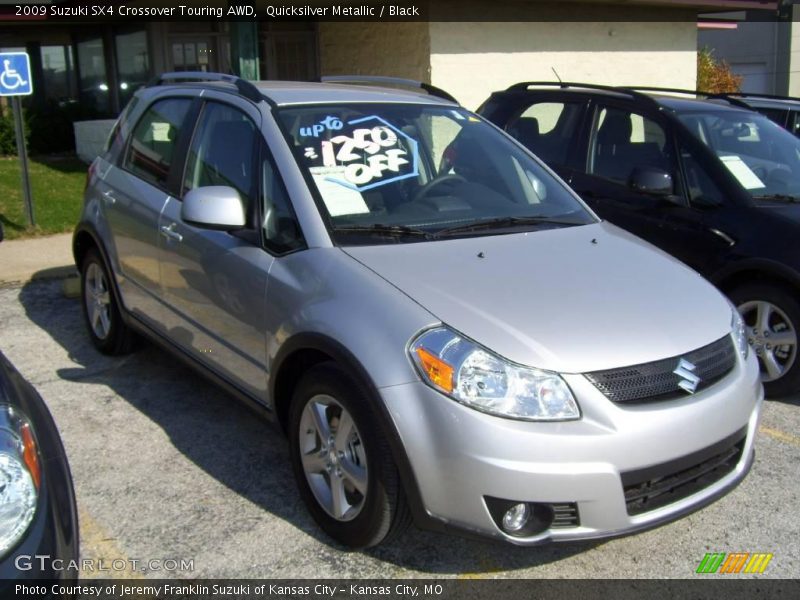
651, 180
214, 207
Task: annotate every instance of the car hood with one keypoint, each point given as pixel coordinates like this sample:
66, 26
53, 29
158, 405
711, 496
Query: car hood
572, 300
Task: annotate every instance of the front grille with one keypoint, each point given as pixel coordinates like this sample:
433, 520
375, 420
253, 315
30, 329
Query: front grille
654, 487
565, 515
656, 380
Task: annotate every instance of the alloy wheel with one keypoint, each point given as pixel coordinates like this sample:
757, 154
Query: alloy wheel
98, 300
771, 336
333, 457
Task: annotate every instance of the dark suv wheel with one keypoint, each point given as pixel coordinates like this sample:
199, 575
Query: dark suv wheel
772, 317
343, 466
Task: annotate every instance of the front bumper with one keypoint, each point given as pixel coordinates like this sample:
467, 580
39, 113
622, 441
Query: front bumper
460, 456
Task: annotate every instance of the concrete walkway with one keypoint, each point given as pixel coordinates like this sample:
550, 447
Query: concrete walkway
36, 258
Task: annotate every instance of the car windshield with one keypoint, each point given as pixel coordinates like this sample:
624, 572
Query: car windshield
417, 172
763, 156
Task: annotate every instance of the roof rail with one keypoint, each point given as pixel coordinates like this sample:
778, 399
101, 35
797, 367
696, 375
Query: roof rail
524, 85
244, 87
696, 93
398, 81
633, 91
746, 95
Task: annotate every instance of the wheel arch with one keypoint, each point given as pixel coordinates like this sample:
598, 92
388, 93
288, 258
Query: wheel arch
757, 271
85, 239
301, 352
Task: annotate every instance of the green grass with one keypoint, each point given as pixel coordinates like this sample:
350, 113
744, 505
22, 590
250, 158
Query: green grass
57, 189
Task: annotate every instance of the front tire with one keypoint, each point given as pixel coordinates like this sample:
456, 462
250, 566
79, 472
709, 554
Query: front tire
342, 462
101, 311
772, 319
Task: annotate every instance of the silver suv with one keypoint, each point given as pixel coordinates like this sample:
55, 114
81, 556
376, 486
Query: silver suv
441, 326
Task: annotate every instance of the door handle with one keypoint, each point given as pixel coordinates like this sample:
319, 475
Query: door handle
109, 197
169, 232
724, 236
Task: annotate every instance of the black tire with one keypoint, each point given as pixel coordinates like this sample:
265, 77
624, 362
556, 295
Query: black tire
113, 337
746, 298
383, 512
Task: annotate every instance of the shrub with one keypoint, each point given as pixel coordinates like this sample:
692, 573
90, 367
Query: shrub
715, 76
8, 135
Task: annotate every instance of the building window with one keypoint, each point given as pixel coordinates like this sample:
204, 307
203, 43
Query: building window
58, 74
94, 90
288, 51
191, 56
133, 63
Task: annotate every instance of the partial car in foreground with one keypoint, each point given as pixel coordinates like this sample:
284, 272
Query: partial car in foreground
38, 517
709, 182
440, 325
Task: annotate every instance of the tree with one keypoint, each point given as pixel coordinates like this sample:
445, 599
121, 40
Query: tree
715, 76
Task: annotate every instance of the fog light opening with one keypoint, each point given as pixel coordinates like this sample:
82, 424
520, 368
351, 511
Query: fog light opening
516, 517
520, 519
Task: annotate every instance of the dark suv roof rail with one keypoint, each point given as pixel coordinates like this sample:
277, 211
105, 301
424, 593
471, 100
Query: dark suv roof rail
745, 95
398, 81
244, 87
524, 85
696, 93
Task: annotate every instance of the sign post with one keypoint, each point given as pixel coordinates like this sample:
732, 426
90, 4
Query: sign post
15, 81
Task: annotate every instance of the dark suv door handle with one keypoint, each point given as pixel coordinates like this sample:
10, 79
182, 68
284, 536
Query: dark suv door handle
109, 197
724, 236
168, 231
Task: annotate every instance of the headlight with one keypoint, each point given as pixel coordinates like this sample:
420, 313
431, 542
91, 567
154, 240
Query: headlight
20, 477
739, 332
484, 381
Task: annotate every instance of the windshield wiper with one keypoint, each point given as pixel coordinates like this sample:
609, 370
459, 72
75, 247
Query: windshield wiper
381, 229
779, 197
503, 222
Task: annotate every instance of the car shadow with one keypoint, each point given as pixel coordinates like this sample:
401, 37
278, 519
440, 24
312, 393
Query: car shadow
196, 416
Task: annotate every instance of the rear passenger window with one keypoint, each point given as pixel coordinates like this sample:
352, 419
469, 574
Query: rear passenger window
623, 142
154, 139
548, 129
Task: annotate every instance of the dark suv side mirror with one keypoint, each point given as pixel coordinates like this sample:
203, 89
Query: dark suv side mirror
214, 207
651, 180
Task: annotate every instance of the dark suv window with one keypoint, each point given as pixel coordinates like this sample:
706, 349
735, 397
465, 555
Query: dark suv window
548, 129
154, 139
623, 141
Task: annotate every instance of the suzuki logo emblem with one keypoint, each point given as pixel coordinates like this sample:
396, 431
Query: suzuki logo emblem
689, 381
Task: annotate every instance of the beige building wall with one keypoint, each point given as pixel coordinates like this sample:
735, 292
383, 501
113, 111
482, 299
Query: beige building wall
389, 49
471, 60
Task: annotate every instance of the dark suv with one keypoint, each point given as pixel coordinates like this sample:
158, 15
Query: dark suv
706, 180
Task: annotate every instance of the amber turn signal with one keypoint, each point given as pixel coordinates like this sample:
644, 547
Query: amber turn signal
439, 372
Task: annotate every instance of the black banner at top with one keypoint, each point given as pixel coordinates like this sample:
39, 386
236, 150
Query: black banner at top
69, 11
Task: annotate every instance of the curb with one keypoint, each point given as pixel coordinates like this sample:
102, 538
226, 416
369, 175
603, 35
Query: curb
68, 275
65, 272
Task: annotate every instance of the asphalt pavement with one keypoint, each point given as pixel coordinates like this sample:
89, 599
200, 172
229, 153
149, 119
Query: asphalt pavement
167, 467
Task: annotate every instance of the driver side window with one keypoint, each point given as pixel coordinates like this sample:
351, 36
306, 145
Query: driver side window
624, 143
222, 153
281, 231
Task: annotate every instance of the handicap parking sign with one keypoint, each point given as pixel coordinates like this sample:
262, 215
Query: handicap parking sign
15, 74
